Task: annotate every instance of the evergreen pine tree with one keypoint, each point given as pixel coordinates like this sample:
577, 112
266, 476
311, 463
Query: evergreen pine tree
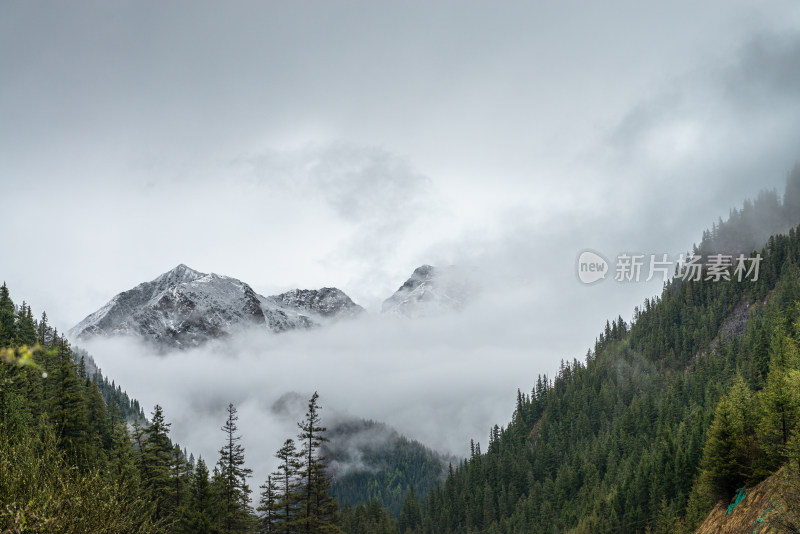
288, 479
410, 518
8, 327
269, 507
728, 455
199, 515
68, 407
26, 326
155, 460
99, 427
43, 332
234, 497
780, 401
318, 509
122, 463
180, 474
82, 368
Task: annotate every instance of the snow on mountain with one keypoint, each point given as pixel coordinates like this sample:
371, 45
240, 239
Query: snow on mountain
325, 302
184, 308
430, 291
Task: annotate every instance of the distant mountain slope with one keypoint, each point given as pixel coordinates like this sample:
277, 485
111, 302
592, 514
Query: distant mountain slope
124, 406
748, 228
325, 302
369, 460
184, 308
430, 291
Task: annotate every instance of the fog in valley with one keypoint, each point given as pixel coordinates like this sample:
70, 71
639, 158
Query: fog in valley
349, 145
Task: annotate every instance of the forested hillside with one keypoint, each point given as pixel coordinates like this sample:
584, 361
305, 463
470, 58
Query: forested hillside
68, 463
370, 461
77, 456
747, 228
698, 396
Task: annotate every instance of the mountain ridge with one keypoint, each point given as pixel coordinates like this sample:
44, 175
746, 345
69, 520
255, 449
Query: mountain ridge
184, 308
430, 291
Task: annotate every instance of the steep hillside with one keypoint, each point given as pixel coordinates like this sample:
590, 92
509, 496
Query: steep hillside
757, 510
748, 228
669, 414
68, 463
370, 461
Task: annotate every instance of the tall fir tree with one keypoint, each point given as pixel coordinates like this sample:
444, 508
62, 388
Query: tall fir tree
122, 458
410, 517
155, 460
26, 326
269, 507
8, 326
98, 423
180, 474
234, 498
729, 450
318, 508
68, 407
288, 479
780, 401
199, 516
43, 331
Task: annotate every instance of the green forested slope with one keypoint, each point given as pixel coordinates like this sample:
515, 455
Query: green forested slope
662, 419
370, 461
77, 456
66, 460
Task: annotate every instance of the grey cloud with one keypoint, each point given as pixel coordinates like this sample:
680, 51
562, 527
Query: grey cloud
706, 139
719, 108
379, 194
766, 72
363, 184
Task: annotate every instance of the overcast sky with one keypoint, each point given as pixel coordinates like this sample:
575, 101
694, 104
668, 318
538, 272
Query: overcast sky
309, 144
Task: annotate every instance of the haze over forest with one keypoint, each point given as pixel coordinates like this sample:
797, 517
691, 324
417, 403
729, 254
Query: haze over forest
344, 145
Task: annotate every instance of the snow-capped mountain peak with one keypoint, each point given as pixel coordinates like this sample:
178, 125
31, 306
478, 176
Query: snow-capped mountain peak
179, 274
430, 291
184, 308
325, 302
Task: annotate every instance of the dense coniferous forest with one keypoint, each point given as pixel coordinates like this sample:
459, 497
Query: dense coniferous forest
748, 228
77, 456
695, 398
387, 468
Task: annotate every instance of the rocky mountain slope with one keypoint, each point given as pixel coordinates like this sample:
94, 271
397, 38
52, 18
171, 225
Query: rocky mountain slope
759, 509
184, 308
430, 291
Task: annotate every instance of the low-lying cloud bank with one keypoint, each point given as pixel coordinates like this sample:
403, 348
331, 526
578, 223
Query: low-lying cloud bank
441, 380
